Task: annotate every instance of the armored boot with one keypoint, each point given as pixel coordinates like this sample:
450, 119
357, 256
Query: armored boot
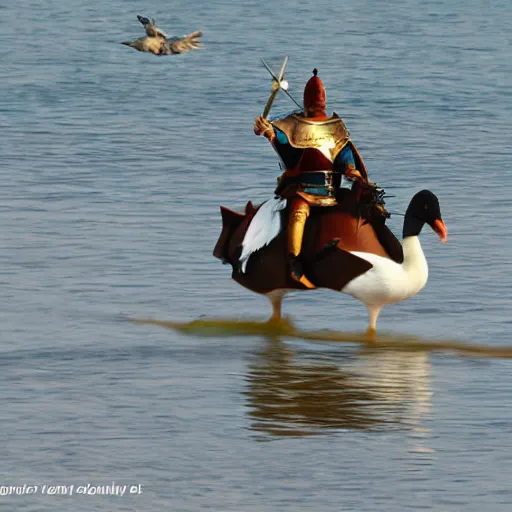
297, 273
298, 216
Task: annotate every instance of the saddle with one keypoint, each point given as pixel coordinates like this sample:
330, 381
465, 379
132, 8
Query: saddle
326, 264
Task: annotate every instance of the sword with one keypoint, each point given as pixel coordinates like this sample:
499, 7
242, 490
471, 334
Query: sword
278, 82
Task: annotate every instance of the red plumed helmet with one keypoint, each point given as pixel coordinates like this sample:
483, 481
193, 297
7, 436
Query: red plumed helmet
314, 93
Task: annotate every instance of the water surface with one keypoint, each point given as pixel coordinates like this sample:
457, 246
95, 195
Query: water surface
114, 164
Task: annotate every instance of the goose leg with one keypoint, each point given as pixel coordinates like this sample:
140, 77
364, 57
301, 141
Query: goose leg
276, 299
373, 314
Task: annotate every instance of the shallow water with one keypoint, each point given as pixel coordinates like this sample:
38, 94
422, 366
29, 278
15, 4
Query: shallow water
114, 164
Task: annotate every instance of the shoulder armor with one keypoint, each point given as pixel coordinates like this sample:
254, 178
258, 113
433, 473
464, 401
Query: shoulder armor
303, 133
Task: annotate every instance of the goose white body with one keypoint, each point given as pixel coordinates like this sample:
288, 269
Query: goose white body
388, 281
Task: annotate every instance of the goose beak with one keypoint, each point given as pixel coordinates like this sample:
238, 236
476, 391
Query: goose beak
441, 230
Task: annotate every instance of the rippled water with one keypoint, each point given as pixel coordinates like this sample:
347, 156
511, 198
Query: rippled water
114, 164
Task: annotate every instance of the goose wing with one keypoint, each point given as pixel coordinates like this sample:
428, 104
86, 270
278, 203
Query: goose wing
264, 227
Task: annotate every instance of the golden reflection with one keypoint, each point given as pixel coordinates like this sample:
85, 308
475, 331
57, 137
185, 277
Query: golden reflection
285, 329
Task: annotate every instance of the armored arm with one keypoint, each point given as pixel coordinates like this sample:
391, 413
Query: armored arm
368, 195
345, 163
289, 155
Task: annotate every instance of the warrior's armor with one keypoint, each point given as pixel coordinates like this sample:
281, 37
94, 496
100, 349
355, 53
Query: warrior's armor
316, 156
318, 159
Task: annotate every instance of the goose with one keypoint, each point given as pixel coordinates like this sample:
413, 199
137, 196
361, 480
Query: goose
341, 252
387, 281
158, 42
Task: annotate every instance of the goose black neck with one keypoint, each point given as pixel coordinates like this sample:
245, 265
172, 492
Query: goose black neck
412, 225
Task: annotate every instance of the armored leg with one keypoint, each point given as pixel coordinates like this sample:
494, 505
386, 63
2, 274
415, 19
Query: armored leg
299, 212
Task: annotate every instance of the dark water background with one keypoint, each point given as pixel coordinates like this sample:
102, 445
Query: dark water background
113, 165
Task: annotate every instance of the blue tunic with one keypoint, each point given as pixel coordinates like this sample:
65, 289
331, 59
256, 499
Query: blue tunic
290, 156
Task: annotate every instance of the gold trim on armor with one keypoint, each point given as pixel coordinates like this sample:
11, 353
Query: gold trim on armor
317, 200
303, 133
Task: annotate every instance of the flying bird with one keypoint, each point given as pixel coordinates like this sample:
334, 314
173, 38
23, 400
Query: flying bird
158, 42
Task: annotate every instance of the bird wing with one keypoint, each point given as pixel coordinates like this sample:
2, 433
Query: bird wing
264, 227
186, 43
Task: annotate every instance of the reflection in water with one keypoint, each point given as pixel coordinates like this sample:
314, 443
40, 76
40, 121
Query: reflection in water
385, 386
285, 329
289, 395
400, 379
294, 394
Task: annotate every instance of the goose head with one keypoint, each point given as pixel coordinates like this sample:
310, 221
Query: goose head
151, 28
424, 209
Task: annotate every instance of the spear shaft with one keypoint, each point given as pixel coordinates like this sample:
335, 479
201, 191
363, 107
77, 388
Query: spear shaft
278, 82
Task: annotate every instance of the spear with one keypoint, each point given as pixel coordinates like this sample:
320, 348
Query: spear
278, 82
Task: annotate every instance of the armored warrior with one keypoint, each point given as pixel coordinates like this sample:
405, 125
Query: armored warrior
318, 158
